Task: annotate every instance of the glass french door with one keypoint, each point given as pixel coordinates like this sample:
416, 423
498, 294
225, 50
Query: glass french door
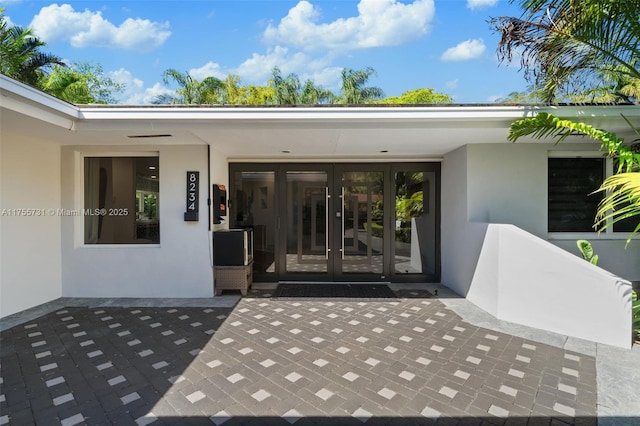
305, 231
340, 222
361, 214
332, 226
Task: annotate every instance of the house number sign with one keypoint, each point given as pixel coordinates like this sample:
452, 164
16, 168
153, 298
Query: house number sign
193, 183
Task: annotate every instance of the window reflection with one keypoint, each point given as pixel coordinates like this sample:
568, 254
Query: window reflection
121, 196
415, 242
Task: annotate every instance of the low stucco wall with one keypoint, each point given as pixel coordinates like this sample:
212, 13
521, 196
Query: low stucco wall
526, 280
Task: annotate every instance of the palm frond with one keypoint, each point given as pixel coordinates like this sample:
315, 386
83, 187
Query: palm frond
545, 125
622, 201
562, 43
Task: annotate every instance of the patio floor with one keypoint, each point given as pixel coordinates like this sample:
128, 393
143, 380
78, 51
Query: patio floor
263, 361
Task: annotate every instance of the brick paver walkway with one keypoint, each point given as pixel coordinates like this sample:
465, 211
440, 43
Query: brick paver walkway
405, 361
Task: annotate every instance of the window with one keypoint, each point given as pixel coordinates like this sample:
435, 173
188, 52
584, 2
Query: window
572, 206
121, 196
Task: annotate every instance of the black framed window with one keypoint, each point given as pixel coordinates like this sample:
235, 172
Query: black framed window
572, 203
121, 200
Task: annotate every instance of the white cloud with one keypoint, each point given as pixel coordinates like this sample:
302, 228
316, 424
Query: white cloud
494, 98
86, 29
8, 20
135, 92
452, 84
480, 4
327, 77
379, 23
466, 50
210, 69
258, 67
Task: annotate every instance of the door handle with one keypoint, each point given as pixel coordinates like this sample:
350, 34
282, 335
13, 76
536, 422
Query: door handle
326, 223
341, 216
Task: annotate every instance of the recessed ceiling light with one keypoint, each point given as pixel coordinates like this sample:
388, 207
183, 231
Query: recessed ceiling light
154, 177
152, 167
286, 151
384, 150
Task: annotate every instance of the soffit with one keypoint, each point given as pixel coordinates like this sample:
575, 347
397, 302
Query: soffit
265, 132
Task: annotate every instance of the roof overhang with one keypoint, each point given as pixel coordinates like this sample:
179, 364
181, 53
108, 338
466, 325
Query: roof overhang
332, 132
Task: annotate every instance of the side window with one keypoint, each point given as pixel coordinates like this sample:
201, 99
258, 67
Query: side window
572, 206
121, 200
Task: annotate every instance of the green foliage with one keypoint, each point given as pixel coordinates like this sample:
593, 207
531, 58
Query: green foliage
20, 54
533, 95
622, 189
622, 201
191, 91
546, 125
289, 91
354, 89
259, 95
565, 45
424, 96
313, 95
236, 94
617, 87
81, 83
586, 249
406, 208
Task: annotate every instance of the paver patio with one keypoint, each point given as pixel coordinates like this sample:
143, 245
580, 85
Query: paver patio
405, 361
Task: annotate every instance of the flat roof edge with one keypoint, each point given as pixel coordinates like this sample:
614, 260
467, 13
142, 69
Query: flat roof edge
30, 101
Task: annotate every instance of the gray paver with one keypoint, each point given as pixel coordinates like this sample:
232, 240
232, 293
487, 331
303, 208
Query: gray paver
365, 362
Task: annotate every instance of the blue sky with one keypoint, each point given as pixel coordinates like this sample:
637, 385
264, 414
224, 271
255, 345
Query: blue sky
443, 44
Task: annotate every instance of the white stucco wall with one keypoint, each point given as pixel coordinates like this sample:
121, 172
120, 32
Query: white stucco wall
517, 275
30, 261
178, 267
524, 279
461, 240
507, 183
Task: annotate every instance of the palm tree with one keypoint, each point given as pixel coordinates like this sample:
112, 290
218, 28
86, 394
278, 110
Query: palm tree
593, 42
565, 45
69, 86
313, 95
191, 91
20, 55
617, 87
287, 90
354, 90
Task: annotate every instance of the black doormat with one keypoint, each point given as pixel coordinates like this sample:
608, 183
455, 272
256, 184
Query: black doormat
321, 291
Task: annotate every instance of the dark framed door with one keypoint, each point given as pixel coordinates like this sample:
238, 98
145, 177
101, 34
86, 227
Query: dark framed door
305, 228
360, 216
340, 222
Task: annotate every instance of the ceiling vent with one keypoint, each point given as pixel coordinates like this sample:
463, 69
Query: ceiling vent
149, 136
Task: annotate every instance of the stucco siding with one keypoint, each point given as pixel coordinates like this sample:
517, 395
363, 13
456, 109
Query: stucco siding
178, 267
30, 261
